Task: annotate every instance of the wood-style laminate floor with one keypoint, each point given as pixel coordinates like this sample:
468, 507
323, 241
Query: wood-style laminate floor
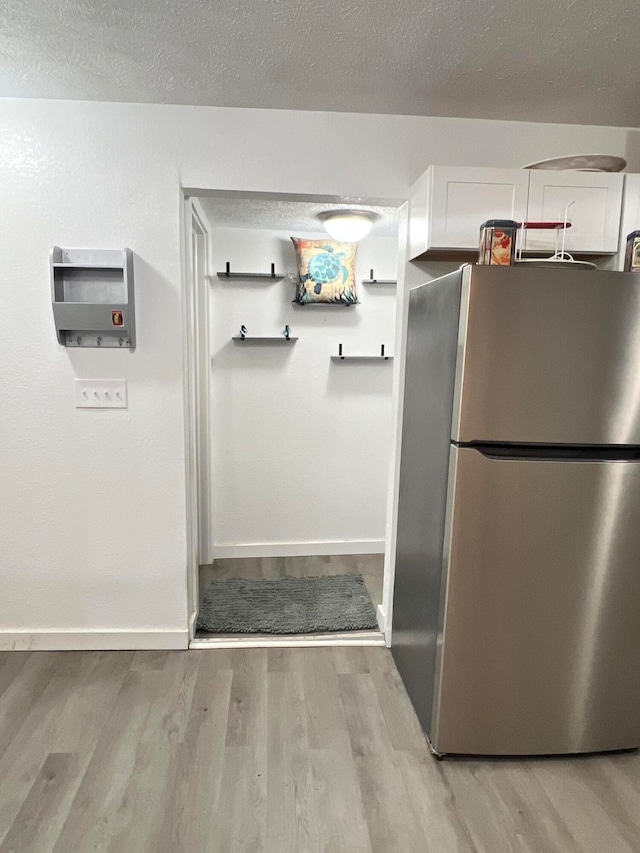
371, 566
274, 750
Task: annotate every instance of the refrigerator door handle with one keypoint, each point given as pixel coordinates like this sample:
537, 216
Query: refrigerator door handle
555, 452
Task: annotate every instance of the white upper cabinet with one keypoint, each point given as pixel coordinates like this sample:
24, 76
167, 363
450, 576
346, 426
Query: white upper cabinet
449, 203
595, 213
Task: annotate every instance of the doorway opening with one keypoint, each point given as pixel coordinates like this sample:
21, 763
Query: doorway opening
290, 414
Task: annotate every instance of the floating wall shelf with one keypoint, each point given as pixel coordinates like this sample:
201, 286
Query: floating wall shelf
361, 358
324, 304
272, 276
374, 280
285, 338
380, 357
262, 340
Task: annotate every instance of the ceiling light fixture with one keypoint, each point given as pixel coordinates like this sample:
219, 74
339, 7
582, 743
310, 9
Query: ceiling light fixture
347, 225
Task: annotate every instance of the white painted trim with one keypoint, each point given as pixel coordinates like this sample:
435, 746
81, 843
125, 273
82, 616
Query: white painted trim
188, 392
382, 624
196, 429
361, 638
298, 549
200, 226
404, 280
108, 640
193, 618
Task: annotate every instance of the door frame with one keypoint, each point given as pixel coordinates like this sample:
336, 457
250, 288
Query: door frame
188, 206
197, 397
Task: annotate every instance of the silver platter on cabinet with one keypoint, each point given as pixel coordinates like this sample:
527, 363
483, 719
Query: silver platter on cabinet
582, 163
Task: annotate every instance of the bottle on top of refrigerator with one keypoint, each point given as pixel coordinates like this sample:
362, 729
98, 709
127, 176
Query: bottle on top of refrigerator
498, 242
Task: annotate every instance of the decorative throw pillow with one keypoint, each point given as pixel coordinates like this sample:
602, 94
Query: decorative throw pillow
326, 271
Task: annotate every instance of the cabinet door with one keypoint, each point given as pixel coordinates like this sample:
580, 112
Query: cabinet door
595, 212
463, 198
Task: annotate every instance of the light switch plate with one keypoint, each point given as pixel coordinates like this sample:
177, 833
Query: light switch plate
101, 393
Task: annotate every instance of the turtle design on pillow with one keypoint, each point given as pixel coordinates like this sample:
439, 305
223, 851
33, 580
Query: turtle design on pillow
326, 271
325, 268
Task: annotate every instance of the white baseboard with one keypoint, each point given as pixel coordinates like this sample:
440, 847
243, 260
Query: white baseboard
290, 641
299, 549
49, 641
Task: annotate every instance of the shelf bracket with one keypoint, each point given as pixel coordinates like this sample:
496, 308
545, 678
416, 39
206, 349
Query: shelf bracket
374, 280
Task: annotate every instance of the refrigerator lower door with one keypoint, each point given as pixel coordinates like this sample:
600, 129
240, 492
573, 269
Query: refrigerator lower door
539, 646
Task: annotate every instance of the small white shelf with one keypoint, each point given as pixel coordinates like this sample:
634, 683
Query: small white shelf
61, 266
361, 358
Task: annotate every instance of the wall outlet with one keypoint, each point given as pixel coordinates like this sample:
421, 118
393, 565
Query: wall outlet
101, 393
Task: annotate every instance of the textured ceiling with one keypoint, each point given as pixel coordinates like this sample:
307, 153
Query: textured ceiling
538, 60
286, 215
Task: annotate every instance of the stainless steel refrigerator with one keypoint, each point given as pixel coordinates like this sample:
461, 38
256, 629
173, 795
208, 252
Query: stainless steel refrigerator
516, 617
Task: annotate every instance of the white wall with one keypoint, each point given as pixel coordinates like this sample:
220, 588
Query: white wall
301, 444
92, 528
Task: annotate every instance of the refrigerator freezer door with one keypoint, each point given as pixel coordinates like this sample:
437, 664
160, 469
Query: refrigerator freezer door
550, 356
541, 638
